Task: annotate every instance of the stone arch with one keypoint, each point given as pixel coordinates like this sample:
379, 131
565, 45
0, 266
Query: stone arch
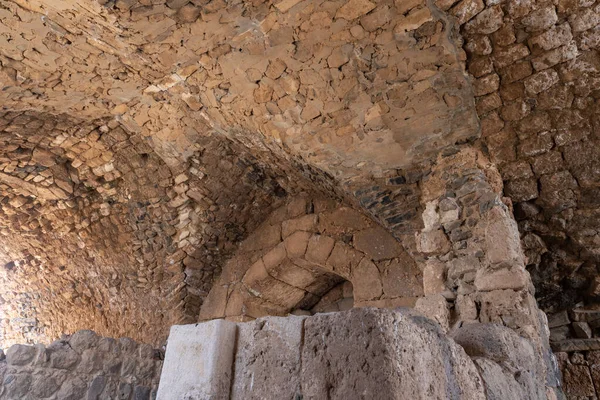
304, 250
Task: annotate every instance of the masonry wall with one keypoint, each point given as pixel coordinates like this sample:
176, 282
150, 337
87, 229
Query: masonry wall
82, 366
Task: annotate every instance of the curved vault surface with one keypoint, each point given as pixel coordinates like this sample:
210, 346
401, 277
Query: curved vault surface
141, 141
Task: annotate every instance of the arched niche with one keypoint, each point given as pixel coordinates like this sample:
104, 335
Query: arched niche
301, 257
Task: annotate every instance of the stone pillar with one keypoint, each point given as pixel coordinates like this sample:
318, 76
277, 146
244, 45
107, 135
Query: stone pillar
474, 270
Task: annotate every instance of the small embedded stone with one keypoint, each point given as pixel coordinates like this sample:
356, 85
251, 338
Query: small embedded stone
354, 9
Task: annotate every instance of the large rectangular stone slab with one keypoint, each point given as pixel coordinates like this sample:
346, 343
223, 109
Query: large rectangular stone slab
267, 361
198, 361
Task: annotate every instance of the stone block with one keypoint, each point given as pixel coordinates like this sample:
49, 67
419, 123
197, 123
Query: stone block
435, 307
296, 244
16, 386
467, 9
486, 85
400, 278
540, 19
198, 361
319, 248
342, 220
434, 277
377, 244
20, 354
541, 81
577, 381
558, 319
559, 333
332, 368
366, 281
486, 22
83, 340
62, 356
306, 223
551, 39
582, 330
72, 389
466, 308
502, 241
504, 278
433, 242
354, 9
584, 315
343, 259
498, 383
551, 58
267, 360
571, 345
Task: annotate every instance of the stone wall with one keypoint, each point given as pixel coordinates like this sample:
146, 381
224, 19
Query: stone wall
80, 366
536, 71
98, 232
407, 357
575, 339
474, 267
580, 372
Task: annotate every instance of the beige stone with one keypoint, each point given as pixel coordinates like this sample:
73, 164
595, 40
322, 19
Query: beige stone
366, 281
434, 277
435, 308
354, 9
377, 244
296, 244
319, 248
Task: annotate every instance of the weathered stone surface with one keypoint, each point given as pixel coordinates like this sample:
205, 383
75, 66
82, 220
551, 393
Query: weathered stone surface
267, 359
198, 361
20, 354
435, 307
377, 244
330, 365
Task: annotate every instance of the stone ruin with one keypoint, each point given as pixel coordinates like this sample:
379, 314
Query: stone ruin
279, 170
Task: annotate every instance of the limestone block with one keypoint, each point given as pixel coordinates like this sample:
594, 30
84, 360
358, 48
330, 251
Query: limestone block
502, 239
198, 361
306, 223
435, 307
434, 277
377, 243
354, 9
433, 242
332, 368
267, 361
367, 282
342, 220
503, 278
319, 248
343, 259
466, 308
296, 244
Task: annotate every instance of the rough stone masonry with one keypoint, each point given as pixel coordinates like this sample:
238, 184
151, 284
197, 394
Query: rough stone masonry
163, 162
